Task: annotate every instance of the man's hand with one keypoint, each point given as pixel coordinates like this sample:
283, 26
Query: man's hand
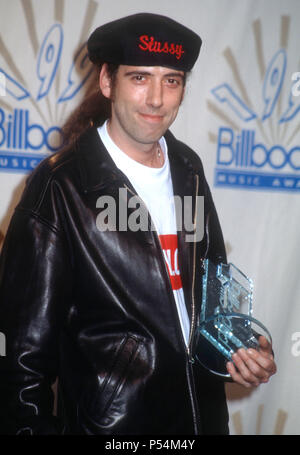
252, 367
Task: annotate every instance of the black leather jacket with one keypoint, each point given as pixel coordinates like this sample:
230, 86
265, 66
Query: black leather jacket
96, 309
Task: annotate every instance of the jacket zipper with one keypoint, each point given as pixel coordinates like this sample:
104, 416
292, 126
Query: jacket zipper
192, 327
193, 280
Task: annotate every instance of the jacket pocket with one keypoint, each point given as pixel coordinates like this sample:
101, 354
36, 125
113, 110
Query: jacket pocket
122, 365
104, 400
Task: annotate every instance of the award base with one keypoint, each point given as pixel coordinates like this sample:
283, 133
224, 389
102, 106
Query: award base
221, 336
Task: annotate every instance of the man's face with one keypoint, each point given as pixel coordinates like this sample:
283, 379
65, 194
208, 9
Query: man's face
145, 102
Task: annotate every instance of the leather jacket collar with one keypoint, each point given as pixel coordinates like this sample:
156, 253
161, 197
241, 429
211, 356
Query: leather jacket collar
98, 168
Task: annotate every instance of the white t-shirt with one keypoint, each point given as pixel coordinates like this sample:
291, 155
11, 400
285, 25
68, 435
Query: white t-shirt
154, 187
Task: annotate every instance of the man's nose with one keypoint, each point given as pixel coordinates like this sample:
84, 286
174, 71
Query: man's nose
155, 94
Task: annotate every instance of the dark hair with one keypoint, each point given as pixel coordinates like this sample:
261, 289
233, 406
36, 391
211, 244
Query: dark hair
94, 109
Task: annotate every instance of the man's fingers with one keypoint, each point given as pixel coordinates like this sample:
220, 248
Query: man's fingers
251, 367
248, 368
264, 344
265, 360
236, 376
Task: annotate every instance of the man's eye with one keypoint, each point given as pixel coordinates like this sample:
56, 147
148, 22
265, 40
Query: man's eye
172, 81
139, 78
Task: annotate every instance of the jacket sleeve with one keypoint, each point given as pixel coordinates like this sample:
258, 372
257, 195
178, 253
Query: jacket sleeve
34, 289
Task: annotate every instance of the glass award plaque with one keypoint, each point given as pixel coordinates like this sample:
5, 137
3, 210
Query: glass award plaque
225, 323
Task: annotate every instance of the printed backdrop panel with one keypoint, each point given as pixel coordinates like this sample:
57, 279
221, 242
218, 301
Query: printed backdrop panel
241, 114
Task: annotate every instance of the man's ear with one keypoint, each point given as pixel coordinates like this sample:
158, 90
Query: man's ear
105, 81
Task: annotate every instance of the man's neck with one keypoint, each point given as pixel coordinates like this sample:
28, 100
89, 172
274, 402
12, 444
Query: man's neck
149, 155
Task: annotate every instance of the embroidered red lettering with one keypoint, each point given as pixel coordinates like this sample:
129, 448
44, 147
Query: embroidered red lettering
144, 39
151, 45
172, 49
165, 48
179, 51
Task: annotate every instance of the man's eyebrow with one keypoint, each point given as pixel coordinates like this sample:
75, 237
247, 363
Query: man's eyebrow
174, 75
147, 73
132, 73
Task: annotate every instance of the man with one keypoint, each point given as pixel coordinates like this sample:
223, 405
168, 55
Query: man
103, 294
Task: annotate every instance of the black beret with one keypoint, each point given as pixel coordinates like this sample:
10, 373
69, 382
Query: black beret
145, 39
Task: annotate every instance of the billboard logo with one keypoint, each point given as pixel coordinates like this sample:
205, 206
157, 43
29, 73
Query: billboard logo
241, 152
17, 132
256, 149
24, 139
